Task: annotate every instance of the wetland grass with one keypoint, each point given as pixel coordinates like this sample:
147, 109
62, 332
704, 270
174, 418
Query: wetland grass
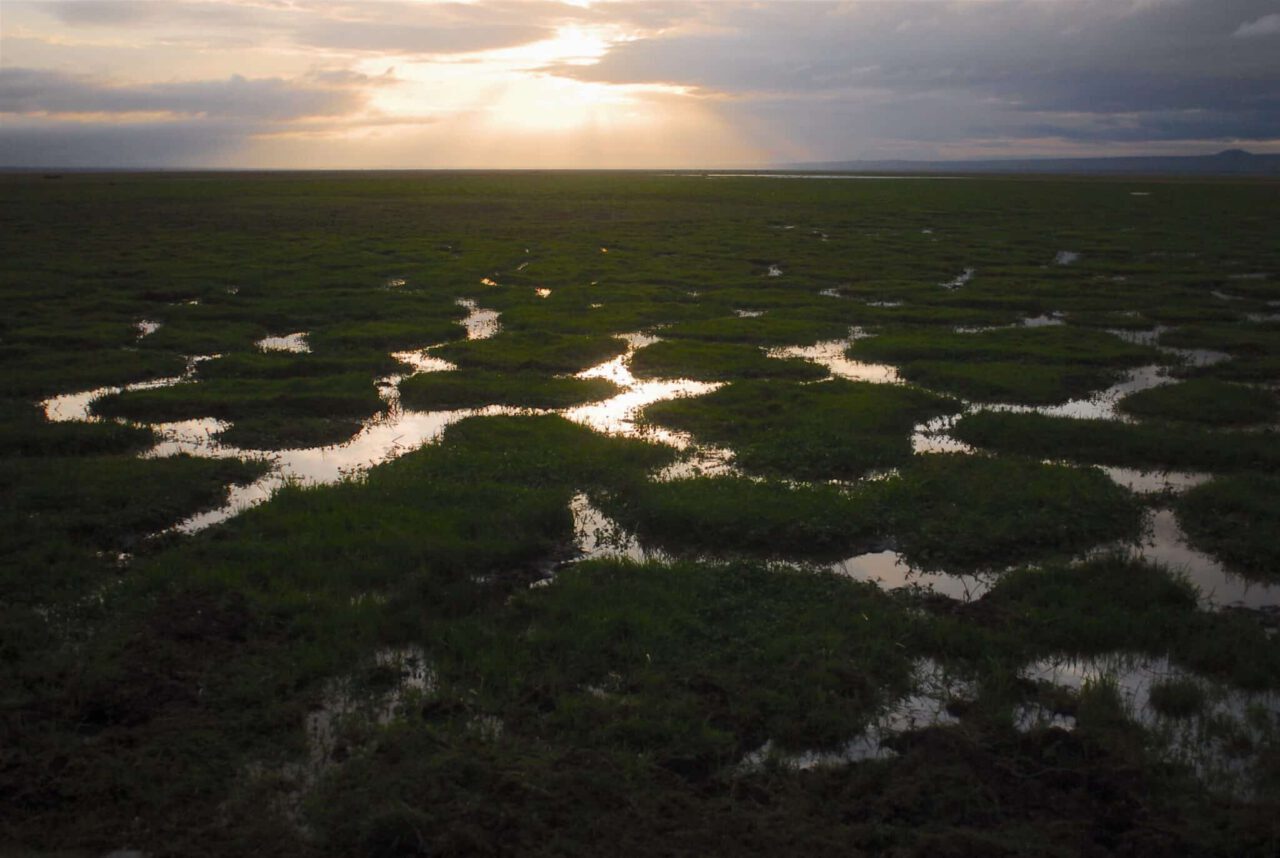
1237, 518
715, 361
831, 430
1110, 442
183, 701
477, 388
1205, 402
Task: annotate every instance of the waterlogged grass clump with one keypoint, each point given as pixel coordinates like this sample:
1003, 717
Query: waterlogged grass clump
1110, 442
281, 365
828, 430
714, 361
61, 511
1057, 344
491, 499
1035, 366
694, 664
476, 388
1177, 698
1204, 401
1237, 518
734, 514
766, 330
388, 335
24, 432
273, 412
34, 372
529, 352
964, 512
999, 381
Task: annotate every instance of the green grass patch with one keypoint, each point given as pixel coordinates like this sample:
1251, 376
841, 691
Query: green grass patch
1058, 344
1236, 518
386, 334
1204, 401
999, 381
325, 396
1243, 339
731, 514
528, 352
697, 664
109, 501
288, 431
1110, 442
713, 361
468, 388
769, 329
25, 432
34, 373
956, 512
290, 365
833, 429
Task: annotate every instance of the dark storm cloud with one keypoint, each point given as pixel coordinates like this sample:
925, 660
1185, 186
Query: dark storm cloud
895, 67
38, 91
40, 143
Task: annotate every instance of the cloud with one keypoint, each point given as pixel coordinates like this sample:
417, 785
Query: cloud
42, 142
408, 38
862, 76
400, 26
803, 81
28, 91
1267, 25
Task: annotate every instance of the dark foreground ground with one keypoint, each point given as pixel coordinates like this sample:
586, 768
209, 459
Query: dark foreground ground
549, 631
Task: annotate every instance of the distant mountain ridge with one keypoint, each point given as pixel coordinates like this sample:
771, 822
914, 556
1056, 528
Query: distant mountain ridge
1230, 162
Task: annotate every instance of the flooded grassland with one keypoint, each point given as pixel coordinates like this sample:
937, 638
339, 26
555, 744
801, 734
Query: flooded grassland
663, 514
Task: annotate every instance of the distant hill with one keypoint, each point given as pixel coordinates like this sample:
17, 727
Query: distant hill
1231, 162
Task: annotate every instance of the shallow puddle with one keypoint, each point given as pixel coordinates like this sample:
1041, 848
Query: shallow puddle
378, 441
1100, 405
934, 436
926, 706
618, 415
400, 431
831, 354
961, 279
146, 327
76, 406
422, 361
1154, 482
296, 343
1043, 321
891, 571
340, 725
481, 324
1220, 742
1166, 543
598, 537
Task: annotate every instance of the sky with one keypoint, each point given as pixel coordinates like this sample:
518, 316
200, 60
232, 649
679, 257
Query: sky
353, 84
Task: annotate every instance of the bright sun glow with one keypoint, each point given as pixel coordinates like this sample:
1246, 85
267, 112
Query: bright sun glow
517, 88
